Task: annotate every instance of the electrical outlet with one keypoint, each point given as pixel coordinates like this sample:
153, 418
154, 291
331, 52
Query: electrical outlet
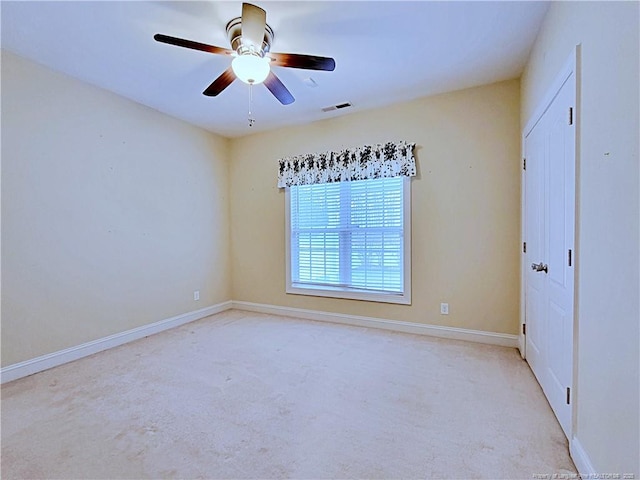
196, 295
444, 309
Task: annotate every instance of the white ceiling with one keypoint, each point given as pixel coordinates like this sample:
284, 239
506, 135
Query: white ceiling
385, 52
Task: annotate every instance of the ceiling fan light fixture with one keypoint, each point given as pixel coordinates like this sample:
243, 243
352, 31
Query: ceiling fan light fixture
251, 69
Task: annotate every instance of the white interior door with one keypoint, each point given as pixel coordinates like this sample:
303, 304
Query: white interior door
549, 234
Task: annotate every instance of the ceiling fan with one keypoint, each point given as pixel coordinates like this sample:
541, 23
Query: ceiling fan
250, 38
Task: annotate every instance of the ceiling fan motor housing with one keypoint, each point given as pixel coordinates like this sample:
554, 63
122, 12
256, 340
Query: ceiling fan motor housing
234, 34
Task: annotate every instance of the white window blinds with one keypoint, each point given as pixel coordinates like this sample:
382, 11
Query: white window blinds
348, 235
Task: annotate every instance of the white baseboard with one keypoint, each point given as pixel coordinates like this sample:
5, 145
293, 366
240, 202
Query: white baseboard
39, 364
501, 339
45, 362
581, 459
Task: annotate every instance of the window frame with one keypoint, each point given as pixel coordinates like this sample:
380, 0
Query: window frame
403, 298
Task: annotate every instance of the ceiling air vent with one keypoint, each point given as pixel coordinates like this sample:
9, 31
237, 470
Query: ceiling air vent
337, 107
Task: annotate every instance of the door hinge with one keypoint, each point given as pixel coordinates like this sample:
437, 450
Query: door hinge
568, 395
570, 259
524, 163
570, 115
524, 247
524, 328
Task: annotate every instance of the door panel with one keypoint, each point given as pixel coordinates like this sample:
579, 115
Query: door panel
561, 215
549, 233
535, 235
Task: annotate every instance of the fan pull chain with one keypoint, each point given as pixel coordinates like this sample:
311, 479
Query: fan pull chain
251, 119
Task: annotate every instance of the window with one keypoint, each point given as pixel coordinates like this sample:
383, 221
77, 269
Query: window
350, 240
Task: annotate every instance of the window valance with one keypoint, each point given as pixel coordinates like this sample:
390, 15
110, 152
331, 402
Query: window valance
391, 159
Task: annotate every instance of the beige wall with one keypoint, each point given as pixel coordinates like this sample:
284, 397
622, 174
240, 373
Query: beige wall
112, 213
465, 207
607, 398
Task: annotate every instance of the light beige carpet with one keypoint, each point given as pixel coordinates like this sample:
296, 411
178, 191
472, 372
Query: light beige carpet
243, 395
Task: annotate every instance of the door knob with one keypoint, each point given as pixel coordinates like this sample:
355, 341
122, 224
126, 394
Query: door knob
540, 267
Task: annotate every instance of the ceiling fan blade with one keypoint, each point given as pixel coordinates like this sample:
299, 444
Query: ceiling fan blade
220, 83
181, 42
307, 62
278, 89
254, 21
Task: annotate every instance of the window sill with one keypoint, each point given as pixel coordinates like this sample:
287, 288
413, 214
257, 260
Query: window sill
337, 292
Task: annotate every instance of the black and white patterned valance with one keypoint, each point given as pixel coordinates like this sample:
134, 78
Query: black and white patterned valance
391, 159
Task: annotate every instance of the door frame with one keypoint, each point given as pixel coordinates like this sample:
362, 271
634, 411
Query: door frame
570, 66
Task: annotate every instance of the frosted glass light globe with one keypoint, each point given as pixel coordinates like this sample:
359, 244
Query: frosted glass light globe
251, 68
